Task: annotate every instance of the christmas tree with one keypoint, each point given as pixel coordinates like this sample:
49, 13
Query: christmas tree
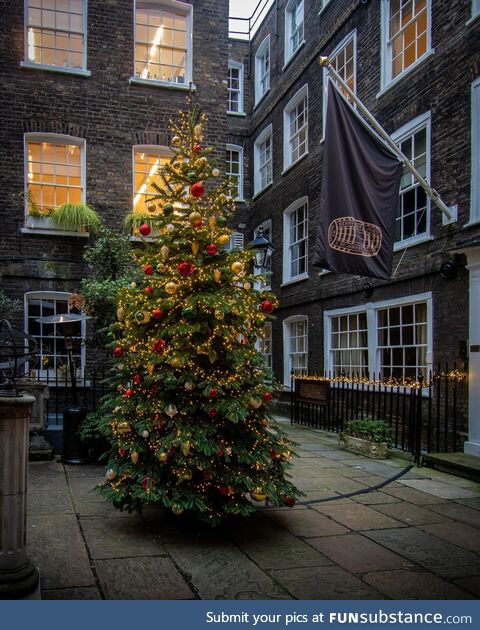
188, 417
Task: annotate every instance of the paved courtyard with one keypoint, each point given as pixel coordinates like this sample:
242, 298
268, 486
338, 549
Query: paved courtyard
417, 538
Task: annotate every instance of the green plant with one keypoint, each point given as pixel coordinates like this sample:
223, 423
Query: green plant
91, 436
8, 306
134, 220
75, 216
376, 431
34, 210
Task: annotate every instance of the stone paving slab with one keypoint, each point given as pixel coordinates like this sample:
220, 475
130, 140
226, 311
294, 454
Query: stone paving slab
358, 554
89, 592
376, 497
305, 523
458, 512
471, 584
49, 502
428, 551
472, 503
223, 572
142, 578
357, 517
438, 488
271, 547
119, 538
327, 582
456, 533
414, 585
55, 545
411, 514
413, 496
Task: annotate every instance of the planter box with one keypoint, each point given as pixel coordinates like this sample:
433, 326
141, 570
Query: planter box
40, 392
375, 450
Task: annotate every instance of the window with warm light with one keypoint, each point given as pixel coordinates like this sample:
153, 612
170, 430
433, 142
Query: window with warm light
295, 231
295, 128
163, 48
235, 87
294, 28
234, 170
147, 160
56, 33
263, 160
262, 70
413, 216
343, 59
406, 35
54, 172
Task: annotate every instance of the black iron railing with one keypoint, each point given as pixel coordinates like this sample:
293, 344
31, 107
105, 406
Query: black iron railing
428, 415
245, 27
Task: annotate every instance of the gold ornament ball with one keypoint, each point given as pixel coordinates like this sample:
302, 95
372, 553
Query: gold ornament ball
223, 239
195, 247
176, 141
150, 368
151, 207
215, 172
123, 428
195, 218
177, 509
256, 403
161, 267
170, 287
247, 286
133, 285
186, 446
219, 315
212, 220
145, 434
186, 475
162, 457
217, 274
202, 162
258, 495
237, 267
176, 362
110, 474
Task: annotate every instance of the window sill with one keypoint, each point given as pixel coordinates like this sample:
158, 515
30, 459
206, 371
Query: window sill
238, 114
472, 19
406, 72
293, 55
183, 87
290, 166
472, 223
418, 240
300, 278
324, 8
257, 103
47, 232
260, 192
78, 72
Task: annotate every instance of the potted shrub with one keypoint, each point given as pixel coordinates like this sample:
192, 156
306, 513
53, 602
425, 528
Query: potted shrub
75, 217
367, 437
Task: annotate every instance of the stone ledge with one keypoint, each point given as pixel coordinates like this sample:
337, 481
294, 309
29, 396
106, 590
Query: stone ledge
458, 464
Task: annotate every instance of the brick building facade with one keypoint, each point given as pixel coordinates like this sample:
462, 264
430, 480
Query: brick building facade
416, 66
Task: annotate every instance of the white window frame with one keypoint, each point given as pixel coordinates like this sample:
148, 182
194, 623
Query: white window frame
299, 96
259, 56
267, 228
54, 295
371, 309
237, 241
45, 224
287, 277
475, 9
157, 149
263, 136
179, 7
236, 147
287, 364
400, 135
386, 58
27, 63
260, 345
475, 185
323, 5
289, 52
345, 41
241, 77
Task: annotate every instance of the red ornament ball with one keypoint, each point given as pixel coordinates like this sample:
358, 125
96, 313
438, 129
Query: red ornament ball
157, 313
159, 345
197, 148
129, 393
118, 352
220, 452
197, 189
212, 412
211, 249
267, 307
267, 396
213, 393
148, 483
289, 501
145, 229
185, 269
122, 452
137, 379
224, 490
148, 269
148, 290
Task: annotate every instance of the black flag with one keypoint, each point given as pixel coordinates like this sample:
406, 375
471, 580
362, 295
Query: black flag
359, 198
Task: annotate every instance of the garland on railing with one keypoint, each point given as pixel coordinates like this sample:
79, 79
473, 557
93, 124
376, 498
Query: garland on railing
451, 375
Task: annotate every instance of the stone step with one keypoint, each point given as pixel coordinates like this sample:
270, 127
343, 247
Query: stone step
459, 464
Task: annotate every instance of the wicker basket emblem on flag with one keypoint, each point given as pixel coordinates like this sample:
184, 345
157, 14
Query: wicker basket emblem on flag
349, 235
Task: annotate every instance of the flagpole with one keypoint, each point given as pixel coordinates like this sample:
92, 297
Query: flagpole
431, 192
